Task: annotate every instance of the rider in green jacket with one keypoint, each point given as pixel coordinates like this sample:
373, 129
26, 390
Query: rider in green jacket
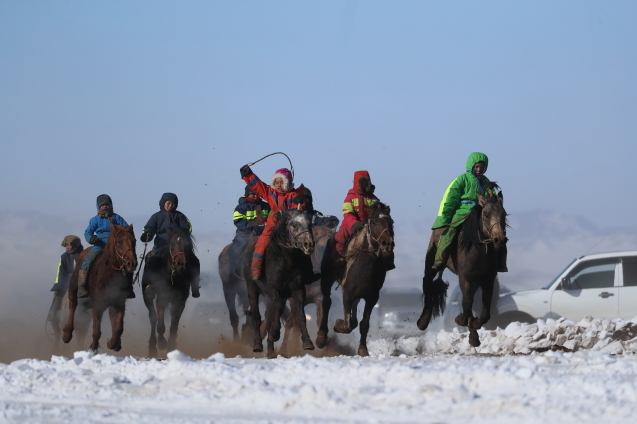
459, 198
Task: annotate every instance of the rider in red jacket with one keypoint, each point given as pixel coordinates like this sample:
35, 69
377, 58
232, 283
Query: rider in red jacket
279, 195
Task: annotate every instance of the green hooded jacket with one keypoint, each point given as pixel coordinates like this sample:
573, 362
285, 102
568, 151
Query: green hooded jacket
462, 194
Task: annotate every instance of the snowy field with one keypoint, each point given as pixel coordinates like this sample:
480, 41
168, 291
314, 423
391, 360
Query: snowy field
548, 372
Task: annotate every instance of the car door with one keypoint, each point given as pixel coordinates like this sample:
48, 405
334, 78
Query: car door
590, 288
628, 290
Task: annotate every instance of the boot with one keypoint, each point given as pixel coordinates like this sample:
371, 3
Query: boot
502, 259
131, 292
81, 284
439, 265
257, 264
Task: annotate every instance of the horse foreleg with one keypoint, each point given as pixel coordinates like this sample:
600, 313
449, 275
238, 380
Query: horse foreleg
152, 316
485, 315
297, 305
69, 327
323, 311
289, 326
253, 296
229, 295
353, 321
98, 311
117, 325
468, 293
175, 315
344, 325
367, 313
161, 324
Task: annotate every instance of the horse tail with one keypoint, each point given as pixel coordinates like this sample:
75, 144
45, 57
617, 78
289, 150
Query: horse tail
436, 297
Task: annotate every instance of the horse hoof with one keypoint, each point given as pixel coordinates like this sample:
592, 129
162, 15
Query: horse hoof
474, 339
339, 327
353, 323
321, 340
362, 351
461, 320
257, 347
66, 337
152, 352
423, 323
271, 354
115, 345
162, 343
308, 345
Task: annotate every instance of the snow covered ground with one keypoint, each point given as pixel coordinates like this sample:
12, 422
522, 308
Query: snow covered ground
591, 376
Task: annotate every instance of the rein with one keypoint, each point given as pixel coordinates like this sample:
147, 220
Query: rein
143, 258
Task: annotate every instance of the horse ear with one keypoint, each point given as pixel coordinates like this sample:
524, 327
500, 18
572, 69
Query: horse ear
500, 198
482, 200
130, 226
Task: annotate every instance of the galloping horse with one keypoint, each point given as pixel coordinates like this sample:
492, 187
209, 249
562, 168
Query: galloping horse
171, 272
362, 277
234, 286
474, 259
109, 279
288, 268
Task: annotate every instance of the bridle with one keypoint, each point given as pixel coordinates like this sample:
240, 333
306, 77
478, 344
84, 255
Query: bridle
122, 260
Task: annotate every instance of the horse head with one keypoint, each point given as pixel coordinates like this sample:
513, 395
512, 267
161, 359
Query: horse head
381, 229
122, 247
493, 217
180, 246
299, 229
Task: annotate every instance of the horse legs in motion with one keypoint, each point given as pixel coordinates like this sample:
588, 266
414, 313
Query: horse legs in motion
234, 287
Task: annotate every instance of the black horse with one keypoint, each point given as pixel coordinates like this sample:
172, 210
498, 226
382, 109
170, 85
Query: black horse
288, 268
474, 259
172, 271
361, 276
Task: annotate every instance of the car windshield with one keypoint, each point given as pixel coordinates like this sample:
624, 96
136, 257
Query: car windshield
558, 275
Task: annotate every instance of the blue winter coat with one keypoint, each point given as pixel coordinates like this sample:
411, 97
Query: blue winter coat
102, 227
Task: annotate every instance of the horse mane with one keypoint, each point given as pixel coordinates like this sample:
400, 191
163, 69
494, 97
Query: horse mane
279, 241
470, 233
109, 249
190, 242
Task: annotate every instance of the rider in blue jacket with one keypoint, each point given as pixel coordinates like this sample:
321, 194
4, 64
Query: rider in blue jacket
97, 233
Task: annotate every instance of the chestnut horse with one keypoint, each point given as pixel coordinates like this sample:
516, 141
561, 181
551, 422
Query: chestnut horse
109, 280
288, 268
361, 277
171, 271
474, 259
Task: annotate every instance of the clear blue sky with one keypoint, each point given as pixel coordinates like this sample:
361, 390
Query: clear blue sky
137, 98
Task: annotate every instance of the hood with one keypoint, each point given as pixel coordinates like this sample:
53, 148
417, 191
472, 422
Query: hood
166, 197
362, 182
476, 157
74, 241
287, 177
104, 199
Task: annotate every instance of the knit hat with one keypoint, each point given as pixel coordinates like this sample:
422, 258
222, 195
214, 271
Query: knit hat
248, 191
74, 241
286, 175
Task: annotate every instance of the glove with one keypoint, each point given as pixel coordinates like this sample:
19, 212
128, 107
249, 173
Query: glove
94, 239
146, 237
357, 226
245, 171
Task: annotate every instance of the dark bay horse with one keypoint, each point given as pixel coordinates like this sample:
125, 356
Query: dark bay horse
109, 280
171, 272
361, 277
288, 269
474, 259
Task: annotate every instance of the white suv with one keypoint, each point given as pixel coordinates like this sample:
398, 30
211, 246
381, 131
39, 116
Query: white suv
603, 285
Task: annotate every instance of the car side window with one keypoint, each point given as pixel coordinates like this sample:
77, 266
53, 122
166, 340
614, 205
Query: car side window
629, 265
598, 273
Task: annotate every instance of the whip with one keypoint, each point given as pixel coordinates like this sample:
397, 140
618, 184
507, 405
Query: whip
271, 154
142, 257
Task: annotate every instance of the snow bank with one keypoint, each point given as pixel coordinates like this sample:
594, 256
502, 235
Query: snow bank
608, 336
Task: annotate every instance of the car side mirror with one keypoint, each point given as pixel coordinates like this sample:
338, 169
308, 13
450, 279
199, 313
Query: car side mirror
566, 283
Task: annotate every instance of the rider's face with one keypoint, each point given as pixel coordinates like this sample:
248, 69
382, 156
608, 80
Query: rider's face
69, 248
279, 185
103, 207
169, 206
478, 169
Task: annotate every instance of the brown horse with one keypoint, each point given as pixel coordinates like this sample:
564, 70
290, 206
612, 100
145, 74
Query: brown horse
59, 308
171, 272
474, 259
109, 280
361, 277
288, 268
